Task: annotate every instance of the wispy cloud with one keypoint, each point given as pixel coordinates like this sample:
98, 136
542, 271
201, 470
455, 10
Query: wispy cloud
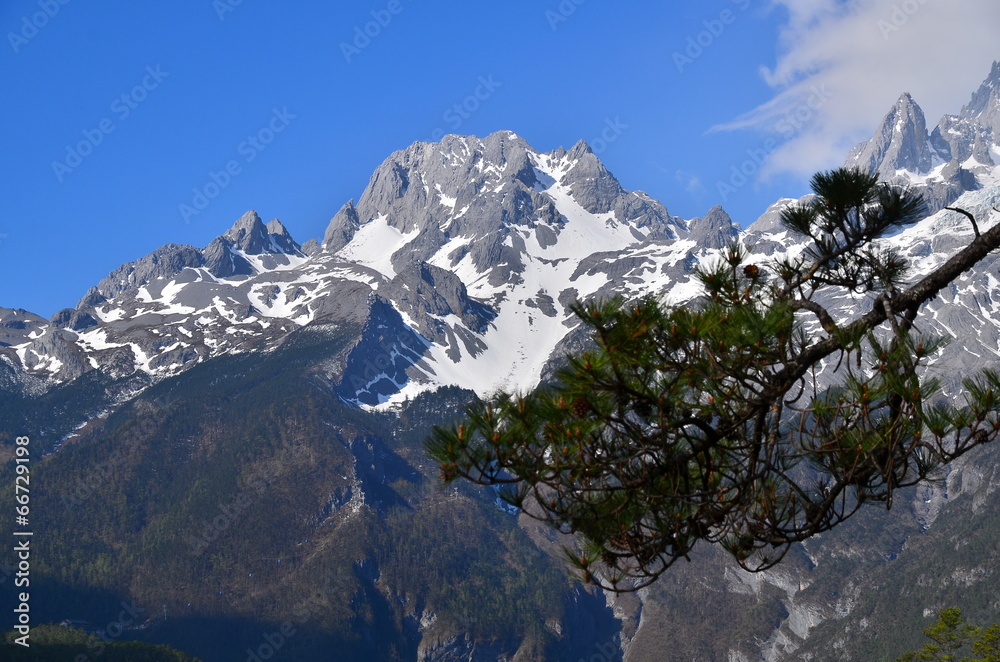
861, 55
692, 183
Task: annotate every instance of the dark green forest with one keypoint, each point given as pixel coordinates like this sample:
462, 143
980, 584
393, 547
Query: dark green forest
243, 494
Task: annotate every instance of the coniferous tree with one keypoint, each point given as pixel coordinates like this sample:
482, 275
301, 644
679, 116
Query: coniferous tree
720, 421
951, 635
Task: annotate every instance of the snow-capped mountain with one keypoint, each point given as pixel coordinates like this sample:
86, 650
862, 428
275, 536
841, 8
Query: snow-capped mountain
962, 153
460, 261
462, 257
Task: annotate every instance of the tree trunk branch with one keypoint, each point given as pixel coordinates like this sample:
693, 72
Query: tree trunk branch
908, 300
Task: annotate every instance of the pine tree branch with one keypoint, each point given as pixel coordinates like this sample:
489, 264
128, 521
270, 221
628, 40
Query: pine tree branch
908, 300
824, 317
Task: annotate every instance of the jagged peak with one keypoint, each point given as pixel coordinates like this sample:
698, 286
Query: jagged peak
469, 145
984, 107
506, 148
20, 315
770, 220
281, 239
342, 227
713, 230
166, 261
993, 80
464, 186
579, 150
504, 135
275, 226
249, 235
246, 223
905, 110
900, 142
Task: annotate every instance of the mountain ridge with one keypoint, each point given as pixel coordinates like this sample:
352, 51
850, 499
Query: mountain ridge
478, 219
471, 240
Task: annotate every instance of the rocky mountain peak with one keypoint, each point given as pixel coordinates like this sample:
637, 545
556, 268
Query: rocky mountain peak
901, 142
249, 235
957, 157
165, 261
281, 240
342, 227
248, 232
591, 184
713, 230
579, 150
17, 325
483, 198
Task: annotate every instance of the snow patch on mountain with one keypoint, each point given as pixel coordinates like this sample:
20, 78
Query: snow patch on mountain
374, 245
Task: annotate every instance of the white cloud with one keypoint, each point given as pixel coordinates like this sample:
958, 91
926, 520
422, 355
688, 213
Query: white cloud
842, 64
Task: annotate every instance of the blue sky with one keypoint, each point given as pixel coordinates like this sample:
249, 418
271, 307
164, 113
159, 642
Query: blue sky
119, 116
